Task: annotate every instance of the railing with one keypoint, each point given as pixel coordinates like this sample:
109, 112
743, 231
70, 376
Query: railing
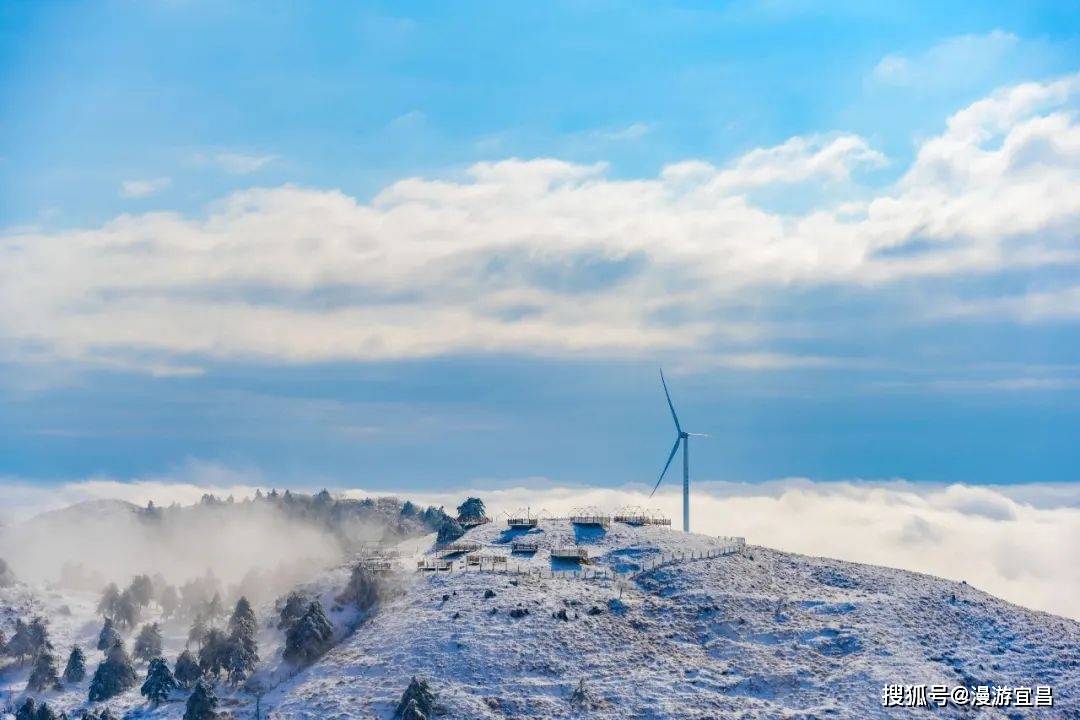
601, 520
522, 522
730, 546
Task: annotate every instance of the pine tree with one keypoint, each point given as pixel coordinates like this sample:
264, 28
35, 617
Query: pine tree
127, 610
449, 531
159, 683
141, 589
471, 510
296, 604
243, 620
27, 711
113, 676
108, 635
363, 590
169, 600
110, 597
186, 671
44, 676
214, 653
202, 704
310, 637
28, 640
148, 643
418, 701
243, 652
197, 634
75, 670
215, 609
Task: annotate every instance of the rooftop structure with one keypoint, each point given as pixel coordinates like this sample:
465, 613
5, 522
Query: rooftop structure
524, 547
460, 547
571, 553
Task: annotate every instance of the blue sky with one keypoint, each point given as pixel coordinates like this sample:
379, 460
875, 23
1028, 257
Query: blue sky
258, 235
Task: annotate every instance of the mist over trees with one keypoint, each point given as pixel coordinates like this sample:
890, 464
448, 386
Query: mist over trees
7, 578
27, 640
256, 547
44, 676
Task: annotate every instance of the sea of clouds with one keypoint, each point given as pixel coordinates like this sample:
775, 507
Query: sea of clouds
1018, 542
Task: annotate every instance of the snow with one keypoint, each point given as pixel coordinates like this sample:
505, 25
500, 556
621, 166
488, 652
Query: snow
757, 634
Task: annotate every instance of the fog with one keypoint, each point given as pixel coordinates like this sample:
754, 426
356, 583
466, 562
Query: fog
1019, 542
251, 548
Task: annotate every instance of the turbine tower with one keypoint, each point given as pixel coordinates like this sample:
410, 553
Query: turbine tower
684, 438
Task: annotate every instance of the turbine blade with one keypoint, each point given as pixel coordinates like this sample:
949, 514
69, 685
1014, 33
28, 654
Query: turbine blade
674, 449
698, 434
669, 404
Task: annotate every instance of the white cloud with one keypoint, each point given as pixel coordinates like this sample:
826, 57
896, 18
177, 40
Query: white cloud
551, 257
1007, 540
633, 131
234, 162
947, 61
143, 188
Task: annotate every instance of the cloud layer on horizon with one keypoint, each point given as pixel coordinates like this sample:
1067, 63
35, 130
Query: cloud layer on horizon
1011, 541
551, 257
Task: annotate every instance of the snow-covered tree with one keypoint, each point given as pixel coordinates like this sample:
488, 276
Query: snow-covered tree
28, 640
148, 643
141, 589
110, 598
127, 610
75, 670
243, 651
292, 609
197, 634
169, 600
215, 609
471, 510
449, 531
159, 683
417, 702
44, 676
186, 671
202, 704
214, 653
310, 636
364, 589
30, 710
102, 714
108, 636
113, 676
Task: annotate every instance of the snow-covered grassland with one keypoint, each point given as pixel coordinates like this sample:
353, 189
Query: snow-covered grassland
759, 634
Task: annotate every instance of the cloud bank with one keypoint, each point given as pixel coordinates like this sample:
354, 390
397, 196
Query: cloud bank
1013, 541
551, 257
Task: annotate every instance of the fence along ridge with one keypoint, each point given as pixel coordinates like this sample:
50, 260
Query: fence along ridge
731, 547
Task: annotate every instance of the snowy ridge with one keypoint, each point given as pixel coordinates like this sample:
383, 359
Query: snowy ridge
757, 634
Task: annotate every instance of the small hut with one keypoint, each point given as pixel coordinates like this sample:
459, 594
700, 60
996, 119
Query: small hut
460, 548
571, 553
521, 546
434, 565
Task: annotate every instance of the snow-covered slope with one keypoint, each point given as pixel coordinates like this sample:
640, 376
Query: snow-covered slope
759, 634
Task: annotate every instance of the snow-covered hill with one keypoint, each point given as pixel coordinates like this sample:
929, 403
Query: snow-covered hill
757, 634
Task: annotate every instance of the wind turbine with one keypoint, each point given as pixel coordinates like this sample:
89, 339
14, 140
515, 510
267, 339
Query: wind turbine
684, 438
